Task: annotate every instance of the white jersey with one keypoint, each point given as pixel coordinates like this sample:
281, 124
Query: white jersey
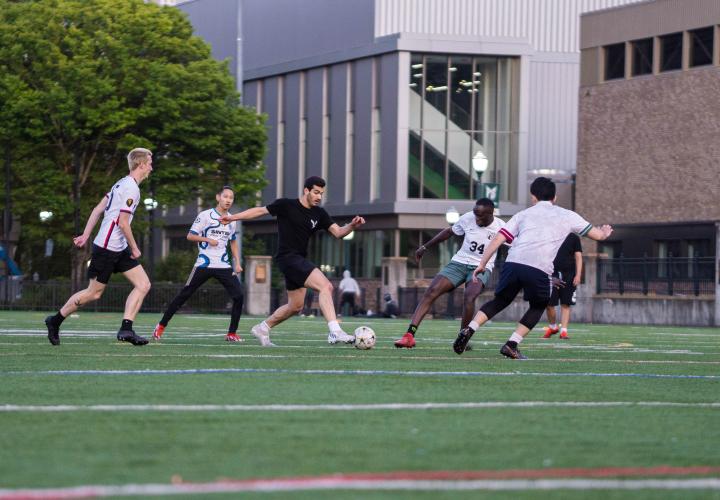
123, 197
536, 234
476, 240
207, 224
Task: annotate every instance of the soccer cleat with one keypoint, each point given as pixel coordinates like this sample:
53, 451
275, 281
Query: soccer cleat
511, 352
132, 337
407, 341
233, 337
264, 338
549, 332
461, 342
564, 335
159, 330
340, 336
53, 331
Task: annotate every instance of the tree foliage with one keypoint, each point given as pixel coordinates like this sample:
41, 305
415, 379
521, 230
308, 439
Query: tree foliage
84, 81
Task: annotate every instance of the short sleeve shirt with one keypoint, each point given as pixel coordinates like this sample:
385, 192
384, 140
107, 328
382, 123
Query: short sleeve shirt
207, 224
565, 258
296, 224
536, 234
123, 197
476, 240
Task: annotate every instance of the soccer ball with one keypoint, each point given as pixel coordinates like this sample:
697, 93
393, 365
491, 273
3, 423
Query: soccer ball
364, 338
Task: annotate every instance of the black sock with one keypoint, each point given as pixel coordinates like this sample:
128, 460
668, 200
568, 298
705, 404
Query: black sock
126, 324
511, 343
57, 319
412, 329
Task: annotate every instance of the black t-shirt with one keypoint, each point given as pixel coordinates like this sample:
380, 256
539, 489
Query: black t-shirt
296, 224
565, 258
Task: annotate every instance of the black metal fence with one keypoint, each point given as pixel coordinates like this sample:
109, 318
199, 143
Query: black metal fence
50, 296
654, 276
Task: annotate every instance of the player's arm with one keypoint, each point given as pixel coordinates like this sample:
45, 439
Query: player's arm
341, 232
91, 222
496, 243
196, 238
578, 268
443, 235
599, 233
249, 214
235, 249
124, 225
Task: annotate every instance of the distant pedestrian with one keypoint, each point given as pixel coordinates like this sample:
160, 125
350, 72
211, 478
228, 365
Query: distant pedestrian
349, 292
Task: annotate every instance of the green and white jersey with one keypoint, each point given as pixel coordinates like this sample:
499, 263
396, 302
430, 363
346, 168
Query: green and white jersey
476, 240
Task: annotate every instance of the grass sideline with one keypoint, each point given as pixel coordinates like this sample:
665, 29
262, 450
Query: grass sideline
600, 363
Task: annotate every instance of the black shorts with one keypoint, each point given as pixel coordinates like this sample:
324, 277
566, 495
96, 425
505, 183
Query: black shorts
295, 268
534, 283
105, 262
563, 295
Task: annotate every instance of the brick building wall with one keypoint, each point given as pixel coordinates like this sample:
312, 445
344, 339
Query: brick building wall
649, 149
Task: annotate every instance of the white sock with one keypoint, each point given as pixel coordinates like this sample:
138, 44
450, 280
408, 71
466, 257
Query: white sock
473, 325
265, 328
516, 337
334, 326
564, 330
552, 326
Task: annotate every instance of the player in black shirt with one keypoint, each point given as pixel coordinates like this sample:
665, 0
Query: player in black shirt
298, 219
568, 268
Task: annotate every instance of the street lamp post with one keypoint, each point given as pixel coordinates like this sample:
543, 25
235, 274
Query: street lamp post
452, 215
150, 205
480, 165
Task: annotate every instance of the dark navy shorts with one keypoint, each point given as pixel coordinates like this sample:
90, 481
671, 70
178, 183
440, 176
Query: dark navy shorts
295, 268
105, 262
535, 283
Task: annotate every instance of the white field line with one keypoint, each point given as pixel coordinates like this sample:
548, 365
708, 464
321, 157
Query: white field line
344, 483
7, 408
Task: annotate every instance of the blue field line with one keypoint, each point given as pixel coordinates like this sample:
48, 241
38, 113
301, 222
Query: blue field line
203, 371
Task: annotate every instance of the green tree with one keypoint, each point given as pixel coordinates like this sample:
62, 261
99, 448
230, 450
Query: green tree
91, 79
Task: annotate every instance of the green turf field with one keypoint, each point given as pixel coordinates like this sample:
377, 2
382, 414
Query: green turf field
664, 383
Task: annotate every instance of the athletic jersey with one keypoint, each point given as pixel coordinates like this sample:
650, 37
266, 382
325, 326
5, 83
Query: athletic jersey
476, 239
296, 224
123, 197
207, 224
536, 234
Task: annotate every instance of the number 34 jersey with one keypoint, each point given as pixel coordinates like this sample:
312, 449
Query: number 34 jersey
476, 240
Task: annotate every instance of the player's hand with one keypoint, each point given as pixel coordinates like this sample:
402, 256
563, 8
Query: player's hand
478, 270
576, 280
357, 221
212, 243
80, 241
557, 282
226, 219
419, 253
135, 253
606, 230
238, 269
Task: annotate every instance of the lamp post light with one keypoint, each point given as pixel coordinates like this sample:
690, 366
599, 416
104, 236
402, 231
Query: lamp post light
452, 215
480, 165
45, 215
150, 205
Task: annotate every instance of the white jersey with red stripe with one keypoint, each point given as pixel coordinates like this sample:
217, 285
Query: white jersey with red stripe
123, 197
476, 239
536, 234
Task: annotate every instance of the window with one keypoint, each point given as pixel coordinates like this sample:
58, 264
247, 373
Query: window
671, 52
642, 57
701, 46
615, 61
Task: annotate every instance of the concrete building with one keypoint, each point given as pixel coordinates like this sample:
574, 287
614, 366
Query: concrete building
400, 103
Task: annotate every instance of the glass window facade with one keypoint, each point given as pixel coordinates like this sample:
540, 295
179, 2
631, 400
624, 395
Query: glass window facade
671, 52
642, 54
461, 107
701, 46
615, 61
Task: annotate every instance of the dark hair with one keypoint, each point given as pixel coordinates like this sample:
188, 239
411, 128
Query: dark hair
314, 180
543, 189
485, 202
224, 188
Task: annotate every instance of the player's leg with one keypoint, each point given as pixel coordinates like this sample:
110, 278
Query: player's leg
565, 318
198, 276
440, 284
93, 292
232, 285
537, 286
318, 282
473, 289
141, 286
552, 327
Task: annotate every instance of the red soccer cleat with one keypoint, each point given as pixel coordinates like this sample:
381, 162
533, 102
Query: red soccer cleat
564, 335
549, 332
233, 337
159, 330
407, 341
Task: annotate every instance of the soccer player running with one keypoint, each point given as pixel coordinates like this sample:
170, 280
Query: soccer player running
568, 268
114, 251
212, 238
536, 233
298, 219
478, 227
